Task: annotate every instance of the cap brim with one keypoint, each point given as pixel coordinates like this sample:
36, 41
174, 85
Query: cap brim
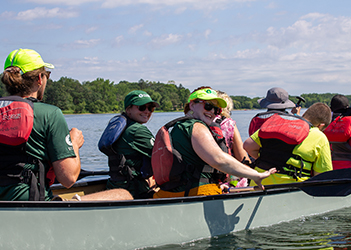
49, 65
142, 102
221, 102
274, 105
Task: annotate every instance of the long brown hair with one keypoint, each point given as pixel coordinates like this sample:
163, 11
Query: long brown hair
17, 84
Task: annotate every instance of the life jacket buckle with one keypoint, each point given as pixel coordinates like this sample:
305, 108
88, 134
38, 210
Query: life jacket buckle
26, 176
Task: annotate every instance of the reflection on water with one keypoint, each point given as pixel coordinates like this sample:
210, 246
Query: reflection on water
328, 231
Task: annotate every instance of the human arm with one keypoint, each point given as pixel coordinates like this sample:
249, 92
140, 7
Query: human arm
323, 162
252, 148
207, 149
296, 110
68, 169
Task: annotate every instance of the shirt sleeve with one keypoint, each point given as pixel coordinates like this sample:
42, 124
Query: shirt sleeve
143, 141
255, 137
323, 161
59, 140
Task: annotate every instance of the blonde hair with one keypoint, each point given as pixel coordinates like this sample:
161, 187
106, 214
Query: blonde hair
227, 110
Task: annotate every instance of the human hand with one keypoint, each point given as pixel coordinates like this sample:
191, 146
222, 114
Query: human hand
151, 182
224, 187
77, 137
263, 175
296, 110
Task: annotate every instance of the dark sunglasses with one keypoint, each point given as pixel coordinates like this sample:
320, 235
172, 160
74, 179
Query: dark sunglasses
142, 108
209, 106
47, 74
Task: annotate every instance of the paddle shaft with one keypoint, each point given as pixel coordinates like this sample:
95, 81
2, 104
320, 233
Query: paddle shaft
330, 183
294, 185
85, 173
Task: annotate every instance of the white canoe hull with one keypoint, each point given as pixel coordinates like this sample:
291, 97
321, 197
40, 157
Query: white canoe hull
145, 223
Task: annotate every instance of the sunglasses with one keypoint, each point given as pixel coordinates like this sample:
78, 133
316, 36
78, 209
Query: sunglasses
209, 106
47, 74
142, 108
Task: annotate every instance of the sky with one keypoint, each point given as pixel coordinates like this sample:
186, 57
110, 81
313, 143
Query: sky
242, 47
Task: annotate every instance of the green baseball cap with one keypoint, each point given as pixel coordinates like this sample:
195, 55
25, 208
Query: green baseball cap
138, 98
26, 59
207, 94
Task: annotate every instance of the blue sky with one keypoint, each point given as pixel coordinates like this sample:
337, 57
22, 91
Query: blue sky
243, 47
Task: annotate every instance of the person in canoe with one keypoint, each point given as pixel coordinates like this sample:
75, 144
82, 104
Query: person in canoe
203, 161
232, 136
276, 100
339, 132
294, 145
130, 159
34, 136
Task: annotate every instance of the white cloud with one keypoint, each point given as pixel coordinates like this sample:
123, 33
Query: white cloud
135, 28
62, 2
147, 33
90, 60
207, 33
272, 5
119, 39
166, 39
40, 12
313, 32
82, 44
197, 4
91, 29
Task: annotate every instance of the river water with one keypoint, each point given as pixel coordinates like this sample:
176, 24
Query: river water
326, 231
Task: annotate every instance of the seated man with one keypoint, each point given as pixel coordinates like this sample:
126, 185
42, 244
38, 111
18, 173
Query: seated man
276, 100
339, 132
36, 138
298, 152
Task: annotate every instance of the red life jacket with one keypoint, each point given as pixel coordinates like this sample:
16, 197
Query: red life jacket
339, 133
279, 135
257, 121
16, 123
167, 162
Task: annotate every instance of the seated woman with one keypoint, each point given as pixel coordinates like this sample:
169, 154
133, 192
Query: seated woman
201, 154
232, 137
134, 147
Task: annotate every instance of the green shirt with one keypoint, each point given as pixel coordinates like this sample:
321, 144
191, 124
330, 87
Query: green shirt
136, 141
49, 141
181, 138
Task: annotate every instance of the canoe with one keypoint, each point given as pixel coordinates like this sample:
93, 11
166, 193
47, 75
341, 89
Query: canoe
151, 222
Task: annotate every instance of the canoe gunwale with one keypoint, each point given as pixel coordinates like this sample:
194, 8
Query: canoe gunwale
138, 202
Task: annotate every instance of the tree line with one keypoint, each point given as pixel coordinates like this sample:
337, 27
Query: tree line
244, 102
104, 96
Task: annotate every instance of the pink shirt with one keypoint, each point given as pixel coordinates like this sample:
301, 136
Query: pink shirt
227, 126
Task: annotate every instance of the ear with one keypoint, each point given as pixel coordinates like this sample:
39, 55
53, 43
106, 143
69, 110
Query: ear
128, 108
40, 81
191, 104
321, 126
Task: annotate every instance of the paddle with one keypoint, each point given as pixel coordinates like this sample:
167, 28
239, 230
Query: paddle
331, 183
85, 173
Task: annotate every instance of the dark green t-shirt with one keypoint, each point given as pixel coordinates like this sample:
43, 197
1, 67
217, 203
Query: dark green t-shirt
49, 141
136, 141
181, 139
